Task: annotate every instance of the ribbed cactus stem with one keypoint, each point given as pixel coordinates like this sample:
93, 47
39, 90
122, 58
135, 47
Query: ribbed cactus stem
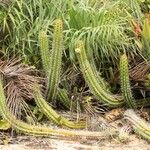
44, 50
140, 126
91, 79
125, 82
55, 60
41, 130
52, 114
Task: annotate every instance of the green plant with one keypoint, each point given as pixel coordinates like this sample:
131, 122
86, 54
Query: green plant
52, 59
52, 66
146, 39
55, 60
143, 102
147, 81
140, 126
44, 50
51, 114
92, 79
40, 130
23, 20
104, 27
125, 82
96, 83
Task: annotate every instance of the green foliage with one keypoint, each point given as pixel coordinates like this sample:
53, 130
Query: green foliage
24, 19
125, 82
140, 126
91, 79
146, 38
103, 24
143, 102
145, 5
104, 28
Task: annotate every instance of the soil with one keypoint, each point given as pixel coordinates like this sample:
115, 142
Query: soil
12, 141
39, 143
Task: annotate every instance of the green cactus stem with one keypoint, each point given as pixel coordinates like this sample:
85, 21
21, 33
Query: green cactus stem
140, 126
52, 114
92, 79
42, 130
55, 60
44, 50
125, 82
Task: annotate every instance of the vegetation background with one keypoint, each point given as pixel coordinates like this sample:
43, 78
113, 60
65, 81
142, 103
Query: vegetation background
77, 51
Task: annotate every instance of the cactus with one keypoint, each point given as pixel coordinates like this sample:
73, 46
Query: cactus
140, 126
51, 114
44, 50
125, 83
92, 79
41, 130
55, 60
45, 56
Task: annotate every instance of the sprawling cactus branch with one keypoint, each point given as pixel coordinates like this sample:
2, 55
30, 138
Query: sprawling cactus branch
51, 114
140, 126
92, 79
42, 130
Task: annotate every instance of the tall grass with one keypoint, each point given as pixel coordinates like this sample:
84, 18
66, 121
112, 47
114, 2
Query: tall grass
24, 20
105, 26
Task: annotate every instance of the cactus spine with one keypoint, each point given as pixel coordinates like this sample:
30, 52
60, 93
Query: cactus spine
91, 78
55, 60
140, 126
51, 114
125, 82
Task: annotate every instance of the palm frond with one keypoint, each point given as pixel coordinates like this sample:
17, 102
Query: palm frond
104, 30
19, 83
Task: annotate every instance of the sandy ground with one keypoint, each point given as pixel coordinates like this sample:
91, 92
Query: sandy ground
32, 143
12, 141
